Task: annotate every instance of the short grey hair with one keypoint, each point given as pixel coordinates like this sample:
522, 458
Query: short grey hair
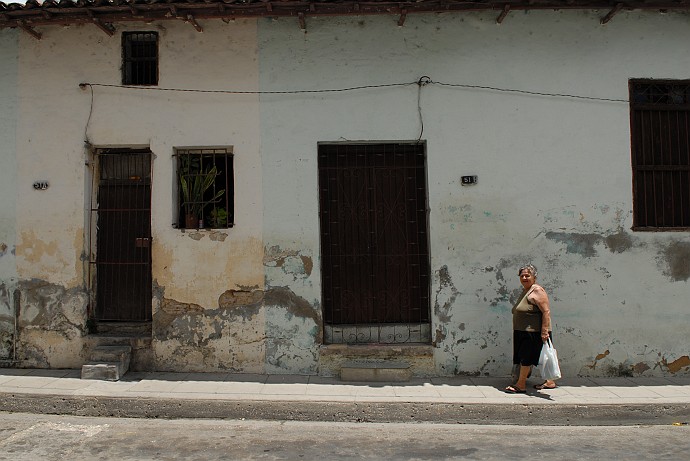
530, 268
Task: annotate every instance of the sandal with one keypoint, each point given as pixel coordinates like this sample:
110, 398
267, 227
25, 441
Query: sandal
543, 385
515, 390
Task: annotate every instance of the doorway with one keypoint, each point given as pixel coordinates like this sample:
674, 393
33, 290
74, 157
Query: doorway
121, 213
374, 242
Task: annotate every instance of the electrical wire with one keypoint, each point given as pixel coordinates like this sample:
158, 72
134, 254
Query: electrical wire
88, 121
423, 81
187, 90
532, 93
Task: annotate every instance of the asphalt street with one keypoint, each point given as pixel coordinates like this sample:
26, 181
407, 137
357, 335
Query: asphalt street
39, 437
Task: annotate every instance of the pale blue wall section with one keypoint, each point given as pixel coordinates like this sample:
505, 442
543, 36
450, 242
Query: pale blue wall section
8, 173
554, 176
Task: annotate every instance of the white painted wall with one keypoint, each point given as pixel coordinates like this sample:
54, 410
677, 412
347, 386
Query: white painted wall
552, 170
53, 113
8, 172
8, 185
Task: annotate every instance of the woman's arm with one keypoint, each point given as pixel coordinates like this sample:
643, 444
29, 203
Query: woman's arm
539, 298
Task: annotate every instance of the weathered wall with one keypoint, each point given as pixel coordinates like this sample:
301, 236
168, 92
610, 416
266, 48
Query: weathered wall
8, 173
208, 284
554, 175
554, 183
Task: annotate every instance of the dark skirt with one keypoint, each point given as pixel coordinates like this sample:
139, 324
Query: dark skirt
527, 347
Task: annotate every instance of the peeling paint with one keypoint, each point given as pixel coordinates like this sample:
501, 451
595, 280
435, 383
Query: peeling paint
172, 307
3, 249
290, 261
445, 295
216, 236
678, 364
293, 304
293, 332
308, 264
234, 298
196, 235
275, 256
52, 324
599, 357
439, 336
189, 337
640, 368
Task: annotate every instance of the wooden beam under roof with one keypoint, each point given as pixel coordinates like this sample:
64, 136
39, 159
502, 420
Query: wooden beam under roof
29, 30
68, 12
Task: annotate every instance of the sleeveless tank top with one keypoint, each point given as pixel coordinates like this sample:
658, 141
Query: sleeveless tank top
526, 316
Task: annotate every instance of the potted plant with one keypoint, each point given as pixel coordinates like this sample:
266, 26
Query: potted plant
193, 185
219, 217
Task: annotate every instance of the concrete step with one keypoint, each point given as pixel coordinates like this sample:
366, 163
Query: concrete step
420, 357
105, 371
107, 362
141, 358
375, 371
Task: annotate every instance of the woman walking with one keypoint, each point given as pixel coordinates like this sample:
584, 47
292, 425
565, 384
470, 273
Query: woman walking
531, 328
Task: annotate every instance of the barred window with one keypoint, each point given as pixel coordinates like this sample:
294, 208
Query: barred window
660, 139
140, 58
205, 180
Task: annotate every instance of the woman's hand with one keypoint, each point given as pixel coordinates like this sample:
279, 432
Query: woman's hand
544, 335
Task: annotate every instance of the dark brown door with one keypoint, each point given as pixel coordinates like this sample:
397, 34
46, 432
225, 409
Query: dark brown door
123, 248
374, 248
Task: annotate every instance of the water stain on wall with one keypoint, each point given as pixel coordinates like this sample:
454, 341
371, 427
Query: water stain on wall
619, 242
33, 248
582, 244
677, 257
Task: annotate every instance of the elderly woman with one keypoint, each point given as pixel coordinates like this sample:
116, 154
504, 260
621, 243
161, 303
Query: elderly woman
531, 328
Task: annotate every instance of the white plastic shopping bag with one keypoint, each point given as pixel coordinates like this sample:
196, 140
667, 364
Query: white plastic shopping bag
548, 362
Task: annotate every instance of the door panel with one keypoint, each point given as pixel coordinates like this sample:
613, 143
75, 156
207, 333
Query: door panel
374, 233
123, 237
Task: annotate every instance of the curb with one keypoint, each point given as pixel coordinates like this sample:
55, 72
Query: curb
366, 412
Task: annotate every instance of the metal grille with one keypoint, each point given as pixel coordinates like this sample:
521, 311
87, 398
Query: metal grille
213, 206
120, 261
660, 129
140, 58
374, 248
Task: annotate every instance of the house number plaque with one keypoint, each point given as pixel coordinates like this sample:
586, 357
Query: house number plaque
468, 180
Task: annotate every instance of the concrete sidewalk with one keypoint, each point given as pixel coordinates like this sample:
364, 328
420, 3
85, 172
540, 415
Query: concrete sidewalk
577, 401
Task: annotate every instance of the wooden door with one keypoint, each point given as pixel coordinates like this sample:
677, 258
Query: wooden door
374, 244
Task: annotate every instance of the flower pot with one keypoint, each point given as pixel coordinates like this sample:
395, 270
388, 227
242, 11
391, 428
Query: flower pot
191, 221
